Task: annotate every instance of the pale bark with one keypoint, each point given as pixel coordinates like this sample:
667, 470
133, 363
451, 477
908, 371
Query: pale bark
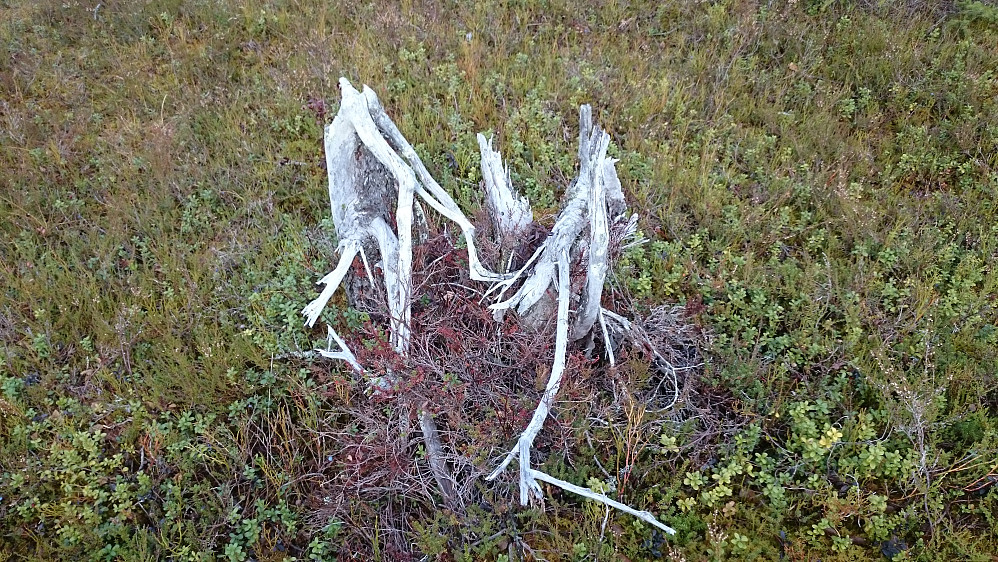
645, 516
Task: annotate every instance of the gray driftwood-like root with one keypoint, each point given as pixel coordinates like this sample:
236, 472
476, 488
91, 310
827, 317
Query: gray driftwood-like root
594, 207
370, 165
375, 177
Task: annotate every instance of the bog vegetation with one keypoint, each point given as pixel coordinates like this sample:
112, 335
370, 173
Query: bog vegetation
817, 180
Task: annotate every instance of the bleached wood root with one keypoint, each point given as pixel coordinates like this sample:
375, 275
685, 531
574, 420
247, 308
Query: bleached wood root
529, 489
593, 204
598, 250
348, 249
607, 342
344, 354
566, 229
431, 192
586, 199
587, 493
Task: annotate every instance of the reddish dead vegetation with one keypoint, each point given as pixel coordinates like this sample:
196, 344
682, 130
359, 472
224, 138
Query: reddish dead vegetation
481, 380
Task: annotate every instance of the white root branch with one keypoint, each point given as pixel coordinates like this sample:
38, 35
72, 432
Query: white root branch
375, 176
348, 249
343, 354
360, 195
529, 489
587, 493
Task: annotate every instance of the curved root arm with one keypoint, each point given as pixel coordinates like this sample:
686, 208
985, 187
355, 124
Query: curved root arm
587, 493
348, 250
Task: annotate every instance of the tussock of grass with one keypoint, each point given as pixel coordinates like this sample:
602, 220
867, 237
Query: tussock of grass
818, 180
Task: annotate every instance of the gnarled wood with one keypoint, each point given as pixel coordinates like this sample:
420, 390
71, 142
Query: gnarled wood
374, 178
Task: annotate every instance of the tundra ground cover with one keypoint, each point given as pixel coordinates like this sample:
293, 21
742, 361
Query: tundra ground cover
817, 181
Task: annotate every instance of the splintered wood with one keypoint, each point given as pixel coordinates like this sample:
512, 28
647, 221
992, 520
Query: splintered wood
374, 179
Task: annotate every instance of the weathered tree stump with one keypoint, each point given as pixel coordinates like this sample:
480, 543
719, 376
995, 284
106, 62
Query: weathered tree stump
375, 178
